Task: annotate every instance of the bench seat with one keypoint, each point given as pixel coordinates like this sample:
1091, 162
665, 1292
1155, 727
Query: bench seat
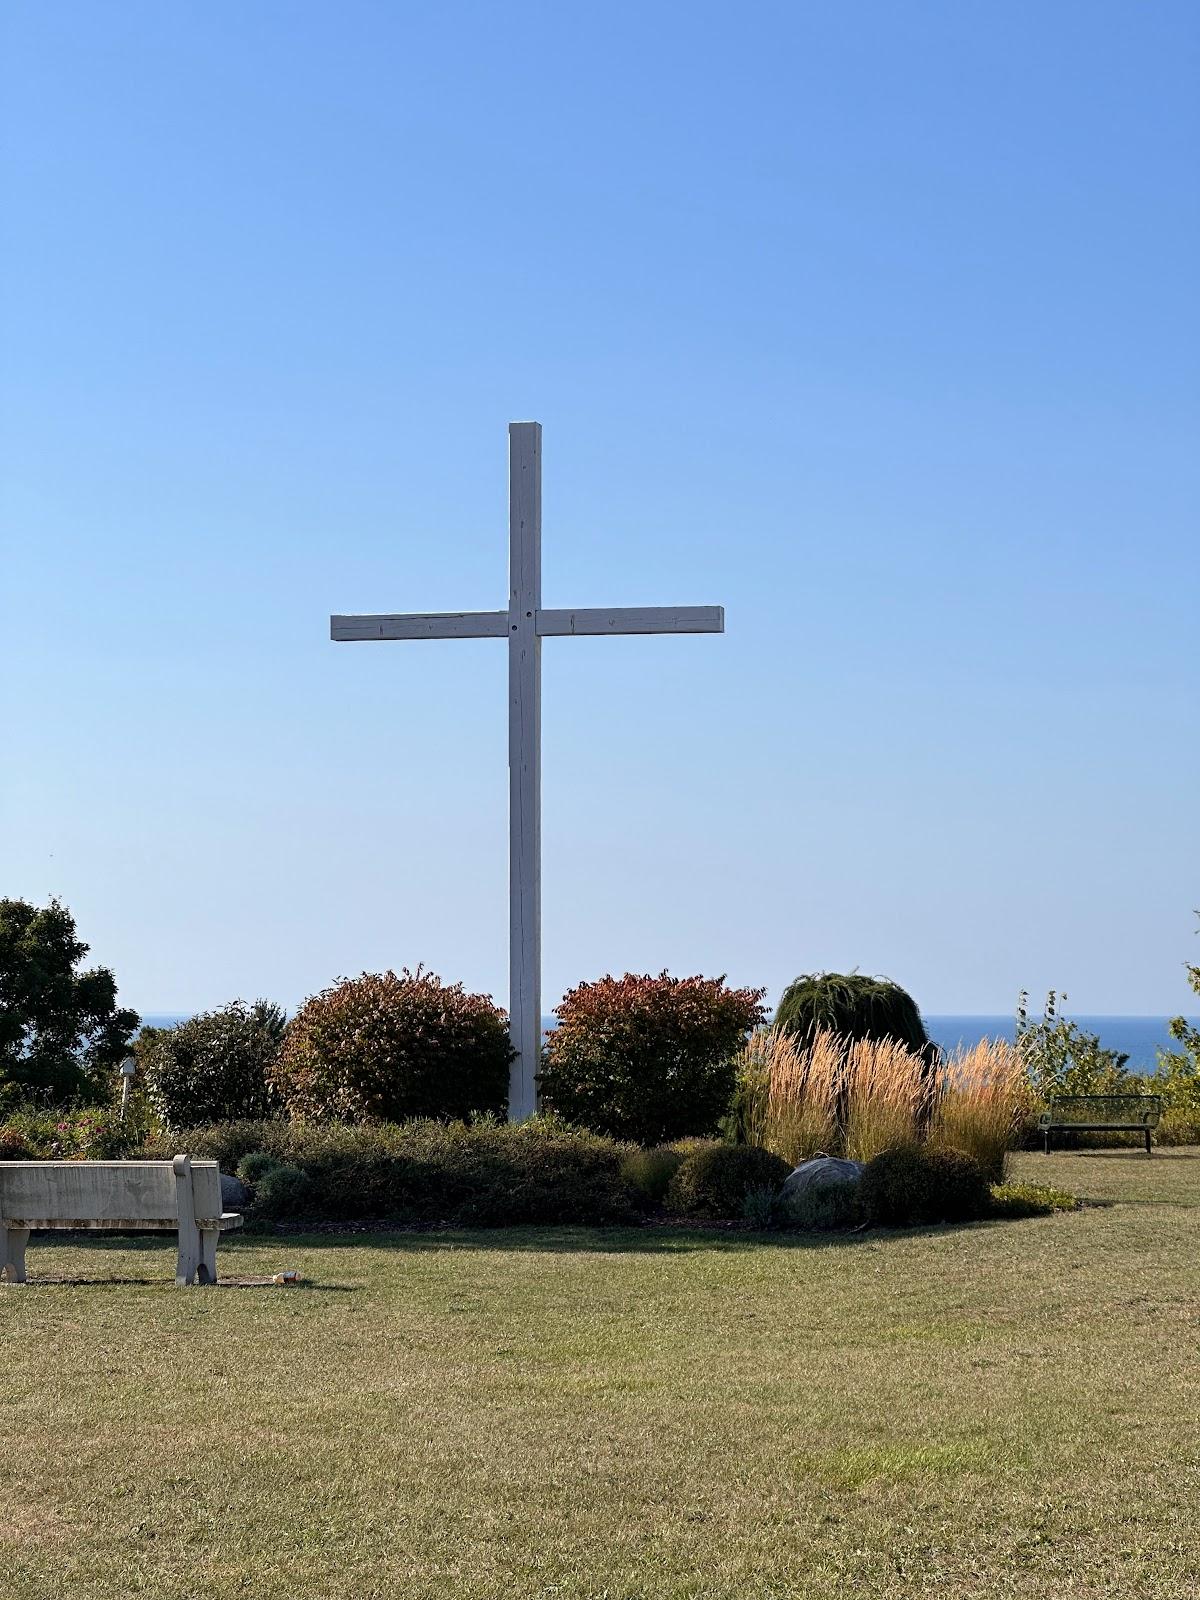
227, 1220
1101, 1113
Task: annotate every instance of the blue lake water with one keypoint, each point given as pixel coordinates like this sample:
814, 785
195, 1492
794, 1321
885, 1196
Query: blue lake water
1140, 1038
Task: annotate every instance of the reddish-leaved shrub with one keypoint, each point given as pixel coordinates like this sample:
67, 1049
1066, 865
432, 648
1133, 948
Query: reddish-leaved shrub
389, 1047
648, 1059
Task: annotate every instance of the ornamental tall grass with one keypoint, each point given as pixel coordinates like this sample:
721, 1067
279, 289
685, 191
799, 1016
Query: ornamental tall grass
859, 1097
801, 1091
787, 1096
886, 1097
852, 1097
984, 1096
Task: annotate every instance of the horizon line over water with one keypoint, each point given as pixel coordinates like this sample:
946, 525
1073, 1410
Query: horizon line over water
1138, 1037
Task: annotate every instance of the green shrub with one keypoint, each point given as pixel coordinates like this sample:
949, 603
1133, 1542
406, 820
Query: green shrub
429, 1172
13, 1145
213, 1066
1016, 1200
387, 1047
223, 1142
823, 1208
851, 1006
1178, 1077
760, 1207
1061, 1058
647, 1059
284, 1192
1178, 1127
714, 1179
912, 1185
95, 1133
648, 1173
253, 1168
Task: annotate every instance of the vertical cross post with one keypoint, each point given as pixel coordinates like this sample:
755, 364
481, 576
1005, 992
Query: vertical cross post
524, 764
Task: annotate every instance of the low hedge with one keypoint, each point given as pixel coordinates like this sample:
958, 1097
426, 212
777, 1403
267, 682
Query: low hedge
496, 1175
420, 1172
93, 1133
822, 1208
914, 1185
713, 1180
649, 1172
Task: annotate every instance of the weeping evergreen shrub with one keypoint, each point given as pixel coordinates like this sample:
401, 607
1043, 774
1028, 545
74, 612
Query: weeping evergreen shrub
852, 1007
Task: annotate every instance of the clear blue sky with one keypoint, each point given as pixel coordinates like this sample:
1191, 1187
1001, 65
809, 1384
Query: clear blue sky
876, 323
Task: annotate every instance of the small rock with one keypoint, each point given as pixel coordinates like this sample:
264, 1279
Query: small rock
821, 1169
234, 1193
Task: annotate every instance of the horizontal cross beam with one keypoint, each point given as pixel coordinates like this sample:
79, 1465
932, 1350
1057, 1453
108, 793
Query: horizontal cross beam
633, 619
548, 624
423, 625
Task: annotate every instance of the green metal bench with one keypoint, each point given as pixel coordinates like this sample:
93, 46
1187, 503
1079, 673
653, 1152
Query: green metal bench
1101, 1113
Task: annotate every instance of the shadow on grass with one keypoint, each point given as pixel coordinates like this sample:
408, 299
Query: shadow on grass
1161, 1152
572, 1240
55, 1280
540, 1238
151, 1244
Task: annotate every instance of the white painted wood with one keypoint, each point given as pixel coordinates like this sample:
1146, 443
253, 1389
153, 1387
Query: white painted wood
422, 625
524, 765
181, 1195
526, 624
633, 619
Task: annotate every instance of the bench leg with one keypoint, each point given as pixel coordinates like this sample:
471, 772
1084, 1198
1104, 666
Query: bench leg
207, 1270
12, 1259
1046, 1142
1147, 1141
189, 1255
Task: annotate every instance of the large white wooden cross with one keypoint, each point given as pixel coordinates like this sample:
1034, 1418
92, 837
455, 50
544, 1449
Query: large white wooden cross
526, 624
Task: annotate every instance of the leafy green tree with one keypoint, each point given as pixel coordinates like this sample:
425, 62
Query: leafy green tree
1178, 1075
62, 1033
1062, 1058
214, 1067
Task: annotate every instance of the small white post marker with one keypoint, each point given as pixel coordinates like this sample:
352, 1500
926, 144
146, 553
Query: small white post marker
526, 624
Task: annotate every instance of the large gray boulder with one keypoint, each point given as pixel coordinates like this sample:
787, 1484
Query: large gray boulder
234, 1194
821, 1170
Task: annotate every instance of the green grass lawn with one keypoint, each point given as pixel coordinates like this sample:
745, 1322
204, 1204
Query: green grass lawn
1007, 1409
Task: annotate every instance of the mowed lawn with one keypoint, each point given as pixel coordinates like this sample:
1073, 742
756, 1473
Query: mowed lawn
1007, 1409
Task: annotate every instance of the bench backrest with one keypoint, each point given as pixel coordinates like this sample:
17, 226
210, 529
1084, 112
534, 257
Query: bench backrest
91, 1194
1113, 1110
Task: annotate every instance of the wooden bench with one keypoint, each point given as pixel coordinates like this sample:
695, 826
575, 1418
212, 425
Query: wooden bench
182, 1195
1101, 1113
